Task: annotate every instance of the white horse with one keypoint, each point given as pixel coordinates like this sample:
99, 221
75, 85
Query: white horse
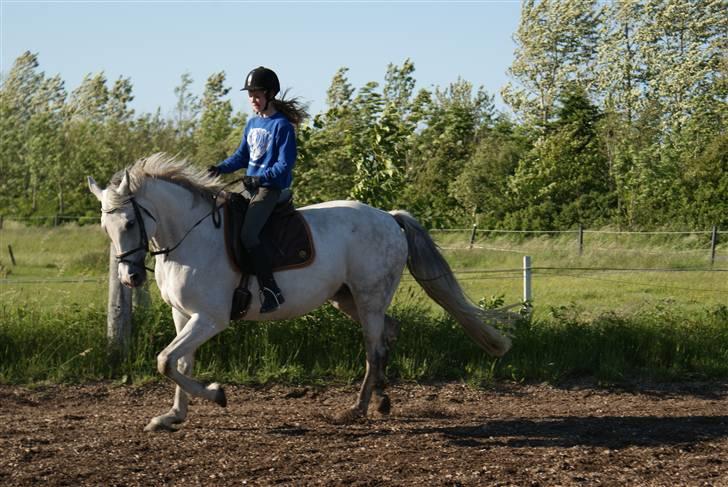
361, 253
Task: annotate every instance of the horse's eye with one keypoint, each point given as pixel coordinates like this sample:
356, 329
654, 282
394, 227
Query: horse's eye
129, 224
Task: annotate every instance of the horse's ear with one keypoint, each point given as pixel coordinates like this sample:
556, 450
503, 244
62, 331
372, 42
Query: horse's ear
124, 186
95, 189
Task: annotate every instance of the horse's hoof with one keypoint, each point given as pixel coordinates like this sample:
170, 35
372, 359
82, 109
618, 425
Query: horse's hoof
348, 416
220, 399
157, 425
385, 405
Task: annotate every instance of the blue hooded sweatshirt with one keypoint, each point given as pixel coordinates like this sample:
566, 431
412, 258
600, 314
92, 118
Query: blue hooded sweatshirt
268, 150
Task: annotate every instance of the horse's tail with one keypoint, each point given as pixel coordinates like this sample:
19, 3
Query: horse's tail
432, 272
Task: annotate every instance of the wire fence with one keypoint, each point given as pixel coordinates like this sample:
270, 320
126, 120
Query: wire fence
473, 275
706, 242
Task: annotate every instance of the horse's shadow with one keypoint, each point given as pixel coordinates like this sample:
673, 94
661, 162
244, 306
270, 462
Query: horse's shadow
612, 432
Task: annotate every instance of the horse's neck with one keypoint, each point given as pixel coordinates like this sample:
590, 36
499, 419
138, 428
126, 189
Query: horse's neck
176, 209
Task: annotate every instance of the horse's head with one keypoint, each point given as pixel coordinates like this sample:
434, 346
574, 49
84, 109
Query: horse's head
129, 225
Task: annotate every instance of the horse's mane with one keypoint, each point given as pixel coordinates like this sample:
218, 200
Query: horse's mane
167, 168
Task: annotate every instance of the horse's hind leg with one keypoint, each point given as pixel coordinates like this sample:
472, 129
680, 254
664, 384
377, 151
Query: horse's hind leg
379, 332
391, 332
373, 327
178, 413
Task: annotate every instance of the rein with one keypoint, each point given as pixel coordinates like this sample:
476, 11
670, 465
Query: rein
144, 238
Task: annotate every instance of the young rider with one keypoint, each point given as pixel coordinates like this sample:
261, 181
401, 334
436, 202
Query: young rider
268, 152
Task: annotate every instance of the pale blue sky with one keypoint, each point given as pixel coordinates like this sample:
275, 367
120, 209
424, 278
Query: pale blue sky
153, 43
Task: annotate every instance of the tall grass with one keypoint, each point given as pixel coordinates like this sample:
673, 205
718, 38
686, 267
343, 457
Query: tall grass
613, 326
660, 343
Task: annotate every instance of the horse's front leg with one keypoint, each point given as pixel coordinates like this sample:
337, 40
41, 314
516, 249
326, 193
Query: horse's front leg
196, 331
178, 413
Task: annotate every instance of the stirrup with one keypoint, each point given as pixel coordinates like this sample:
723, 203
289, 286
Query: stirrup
270, 300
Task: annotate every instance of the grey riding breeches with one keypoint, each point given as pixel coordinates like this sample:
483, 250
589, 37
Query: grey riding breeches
260, 208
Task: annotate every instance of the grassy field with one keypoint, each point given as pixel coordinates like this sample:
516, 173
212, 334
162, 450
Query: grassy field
81, 254
613, 325
681, 272
47, 258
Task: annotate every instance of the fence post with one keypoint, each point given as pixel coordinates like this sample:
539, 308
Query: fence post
118, 319
527, 295
581, 239
713, 244
10, 251
472, 235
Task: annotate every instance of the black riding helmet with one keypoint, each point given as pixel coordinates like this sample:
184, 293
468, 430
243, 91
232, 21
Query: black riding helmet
262, 79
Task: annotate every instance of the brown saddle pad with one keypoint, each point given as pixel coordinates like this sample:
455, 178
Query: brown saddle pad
285, 236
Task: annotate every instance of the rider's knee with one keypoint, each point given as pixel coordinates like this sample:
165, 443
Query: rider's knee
249, 241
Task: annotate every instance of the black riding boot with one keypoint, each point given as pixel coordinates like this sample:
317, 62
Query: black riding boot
270, 295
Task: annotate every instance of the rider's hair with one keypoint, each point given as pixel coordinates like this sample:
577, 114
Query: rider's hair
291, 108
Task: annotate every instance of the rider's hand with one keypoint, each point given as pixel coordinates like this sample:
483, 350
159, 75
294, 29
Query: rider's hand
213, 171
251, 182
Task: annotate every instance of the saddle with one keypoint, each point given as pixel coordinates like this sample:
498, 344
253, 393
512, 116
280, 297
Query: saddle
286, 237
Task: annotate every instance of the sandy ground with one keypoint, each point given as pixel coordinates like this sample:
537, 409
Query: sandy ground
442, 434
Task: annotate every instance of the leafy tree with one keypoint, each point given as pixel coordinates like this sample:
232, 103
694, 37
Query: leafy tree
482, 187
704, 199
620, 68
17, 94
380, 174
324, 167
215, 124
555, 46
186, 111
89, 100
451, 122
564, 180
32, 143
358, 147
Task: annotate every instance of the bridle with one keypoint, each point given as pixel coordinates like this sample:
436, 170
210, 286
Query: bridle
144, 238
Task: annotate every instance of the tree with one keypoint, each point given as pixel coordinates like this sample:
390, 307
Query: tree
358, 147
564, 180
324, 165
482, 186
381, 167
89, 100
452, 121
704, 186
32, 141
664, 94
17, 104
555, 46
186, 111
215, 123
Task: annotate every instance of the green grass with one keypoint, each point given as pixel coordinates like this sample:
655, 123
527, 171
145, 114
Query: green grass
596, 292
68, 252
75, 252
324, 346
614, 326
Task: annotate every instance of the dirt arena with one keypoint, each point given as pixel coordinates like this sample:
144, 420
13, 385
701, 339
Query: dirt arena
446, 434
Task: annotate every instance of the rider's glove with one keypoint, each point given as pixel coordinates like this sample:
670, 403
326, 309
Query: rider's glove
251, 182
213, 171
